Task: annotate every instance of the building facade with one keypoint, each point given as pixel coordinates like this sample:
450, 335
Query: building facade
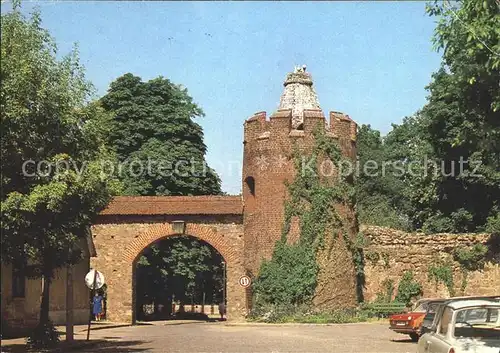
21, 296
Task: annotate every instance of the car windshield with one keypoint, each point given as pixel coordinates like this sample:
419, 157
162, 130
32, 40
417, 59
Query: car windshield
479, 322
420, 307
432, 307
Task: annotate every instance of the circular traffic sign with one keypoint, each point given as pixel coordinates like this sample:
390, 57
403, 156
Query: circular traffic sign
245, 281
99, 279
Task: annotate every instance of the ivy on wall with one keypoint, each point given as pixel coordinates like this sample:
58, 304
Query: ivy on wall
470, 259
441, 271
290, 277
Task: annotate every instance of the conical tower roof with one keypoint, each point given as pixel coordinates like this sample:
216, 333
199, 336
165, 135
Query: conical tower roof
299, 95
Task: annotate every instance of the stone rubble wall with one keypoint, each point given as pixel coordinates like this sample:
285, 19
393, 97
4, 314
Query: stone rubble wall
400, 251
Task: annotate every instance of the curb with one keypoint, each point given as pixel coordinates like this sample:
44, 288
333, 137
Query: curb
106, 327
297, 324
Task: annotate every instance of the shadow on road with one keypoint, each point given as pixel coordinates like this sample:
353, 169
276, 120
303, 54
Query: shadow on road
101, 346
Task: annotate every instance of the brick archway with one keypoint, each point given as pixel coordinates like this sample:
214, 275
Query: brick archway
118, 264
164, 230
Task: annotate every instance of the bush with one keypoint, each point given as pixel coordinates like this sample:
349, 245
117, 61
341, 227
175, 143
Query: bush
408, 288
289, 278
43, 336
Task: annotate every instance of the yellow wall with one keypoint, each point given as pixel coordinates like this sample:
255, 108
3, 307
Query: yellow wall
19, 313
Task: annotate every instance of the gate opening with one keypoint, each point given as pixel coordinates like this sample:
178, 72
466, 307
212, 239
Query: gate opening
179, 277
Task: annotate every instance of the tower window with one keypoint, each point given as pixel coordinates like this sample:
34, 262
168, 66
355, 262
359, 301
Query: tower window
250, 181
18, 282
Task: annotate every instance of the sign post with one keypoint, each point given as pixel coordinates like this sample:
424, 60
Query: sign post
94, 280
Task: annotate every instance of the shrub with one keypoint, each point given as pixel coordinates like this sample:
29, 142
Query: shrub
289, 278
408, 288
385, 296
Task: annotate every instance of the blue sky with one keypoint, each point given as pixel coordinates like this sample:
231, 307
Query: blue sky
371, 60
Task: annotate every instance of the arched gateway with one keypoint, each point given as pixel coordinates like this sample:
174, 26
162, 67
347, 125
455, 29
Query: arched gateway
131, 224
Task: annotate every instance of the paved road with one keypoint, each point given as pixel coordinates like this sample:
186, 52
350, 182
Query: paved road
222, 338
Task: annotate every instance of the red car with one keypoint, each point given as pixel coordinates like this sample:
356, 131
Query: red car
410, 323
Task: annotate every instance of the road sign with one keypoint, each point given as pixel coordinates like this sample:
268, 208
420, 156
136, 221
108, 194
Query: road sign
99, 279
245, 281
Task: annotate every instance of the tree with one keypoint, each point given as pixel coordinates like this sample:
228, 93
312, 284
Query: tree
153, 130
450, 148
462, 113
380, 194
47, 121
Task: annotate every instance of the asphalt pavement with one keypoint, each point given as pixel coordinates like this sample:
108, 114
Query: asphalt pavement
222, 337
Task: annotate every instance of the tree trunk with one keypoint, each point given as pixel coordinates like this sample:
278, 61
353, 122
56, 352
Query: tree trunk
44, 306
69, 304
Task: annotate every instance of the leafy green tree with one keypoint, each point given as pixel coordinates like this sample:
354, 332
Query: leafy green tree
46, 119
449, 149
462, 113
156, 138
380, 193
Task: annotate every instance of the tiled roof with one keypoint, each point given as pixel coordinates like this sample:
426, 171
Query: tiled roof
174, 205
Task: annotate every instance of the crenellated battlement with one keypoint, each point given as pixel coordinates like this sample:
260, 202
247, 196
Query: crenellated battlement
259, 127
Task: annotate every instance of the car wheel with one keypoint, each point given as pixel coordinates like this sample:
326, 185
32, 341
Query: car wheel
414, 336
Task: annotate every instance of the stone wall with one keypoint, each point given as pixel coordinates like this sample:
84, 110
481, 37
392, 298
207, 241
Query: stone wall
399, 251
120, 240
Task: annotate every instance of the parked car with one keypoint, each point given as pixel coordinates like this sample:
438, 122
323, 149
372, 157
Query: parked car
464, 326
435, 306
409, 323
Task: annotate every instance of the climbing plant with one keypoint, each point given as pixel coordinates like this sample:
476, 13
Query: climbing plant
387, 292
441, 271
470, 259
373, 257
385, 257
290, 277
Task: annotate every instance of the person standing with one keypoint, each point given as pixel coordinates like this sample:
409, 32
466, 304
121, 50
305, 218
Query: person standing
222, 311
97, 306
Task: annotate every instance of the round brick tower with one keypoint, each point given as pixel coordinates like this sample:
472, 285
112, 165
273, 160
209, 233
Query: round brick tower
268, 164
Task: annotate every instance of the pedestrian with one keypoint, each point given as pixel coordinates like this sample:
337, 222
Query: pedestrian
97, 306
222, 311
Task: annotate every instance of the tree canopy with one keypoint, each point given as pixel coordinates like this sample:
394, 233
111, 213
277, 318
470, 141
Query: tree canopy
453, 142
158, 143
52, 144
